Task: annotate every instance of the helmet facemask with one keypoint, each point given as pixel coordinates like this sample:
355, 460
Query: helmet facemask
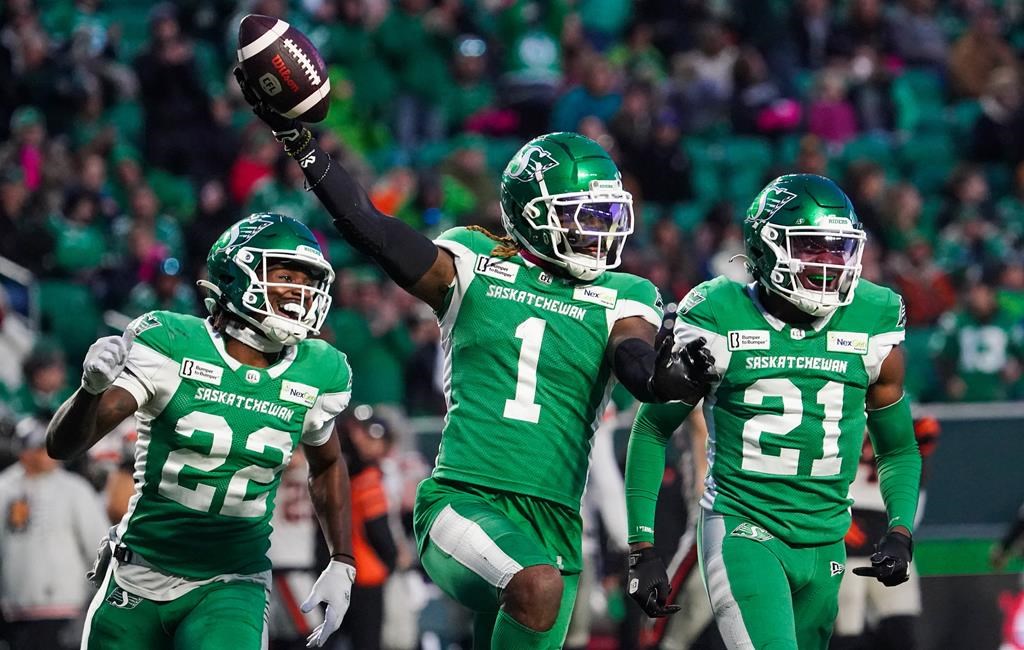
587, 229
307, 312
816, 268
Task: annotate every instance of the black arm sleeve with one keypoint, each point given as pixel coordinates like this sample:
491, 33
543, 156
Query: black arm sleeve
378, 533
404, 254
633, 364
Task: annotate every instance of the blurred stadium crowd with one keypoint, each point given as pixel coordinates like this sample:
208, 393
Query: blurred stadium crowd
125, 149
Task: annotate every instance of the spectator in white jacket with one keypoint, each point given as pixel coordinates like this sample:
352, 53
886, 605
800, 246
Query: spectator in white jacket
52, 522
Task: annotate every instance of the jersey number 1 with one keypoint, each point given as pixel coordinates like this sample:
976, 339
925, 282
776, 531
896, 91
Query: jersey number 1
522, 407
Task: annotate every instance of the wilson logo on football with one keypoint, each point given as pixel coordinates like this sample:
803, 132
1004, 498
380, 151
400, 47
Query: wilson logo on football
286, 74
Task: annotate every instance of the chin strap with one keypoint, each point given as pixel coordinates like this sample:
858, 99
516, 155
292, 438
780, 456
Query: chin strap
252, 338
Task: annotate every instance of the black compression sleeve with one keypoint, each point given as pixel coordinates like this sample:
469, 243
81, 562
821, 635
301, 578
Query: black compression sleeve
633, 364
378, 533
403, 253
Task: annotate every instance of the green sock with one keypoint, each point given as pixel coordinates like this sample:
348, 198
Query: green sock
510, 634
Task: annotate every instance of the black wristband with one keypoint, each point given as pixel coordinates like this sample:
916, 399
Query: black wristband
351, 560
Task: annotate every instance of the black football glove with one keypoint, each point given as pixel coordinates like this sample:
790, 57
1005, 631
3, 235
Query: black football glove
648, 583
684, 375
289, 132
890, 564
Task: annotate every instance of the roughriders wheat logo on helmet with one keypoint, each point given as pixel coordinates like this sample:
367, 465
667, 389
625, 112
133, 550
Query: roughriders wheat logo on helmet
804, 242
530, 161
772, 199
562, 200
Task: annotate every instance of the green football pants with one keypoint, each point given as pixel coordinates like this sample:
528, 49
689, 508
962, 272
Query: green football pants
766, 594
218, 616
472, 542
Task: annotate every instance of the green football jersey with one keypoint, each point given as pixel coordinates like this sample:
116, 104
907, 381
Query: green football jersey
980, 352
786, 422
525, 371
214, 436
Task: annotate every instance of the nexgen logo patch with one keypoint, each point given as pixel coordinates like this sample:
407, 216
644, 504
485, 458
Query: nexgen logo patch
296, 393
201, 371
851, 342
598, 295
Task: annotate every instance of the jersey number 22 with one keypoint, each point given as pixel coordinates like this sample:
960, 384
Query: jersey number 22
201, 496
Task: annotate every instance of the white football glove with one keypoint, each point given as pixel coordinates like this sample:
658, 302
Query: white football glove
105, 360
334, 587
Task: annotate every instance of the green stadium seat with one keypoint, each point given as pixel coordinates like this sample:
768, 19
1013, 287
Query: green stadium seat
744, 152
70, 314
803, 82
134, 22
918, 94
1000, 179
499, 151
936, 151
176, 193
787, 148
706, 183
689, 215
127, 115
871, 147
432, 153
961, 117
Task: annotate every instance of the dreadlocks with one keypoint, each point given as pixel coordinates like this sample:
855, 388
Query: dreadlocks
507, 247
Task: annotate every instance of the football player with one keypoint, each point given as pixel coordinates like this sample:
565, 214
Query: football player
891, 613
806, 353
221, 404
534, 324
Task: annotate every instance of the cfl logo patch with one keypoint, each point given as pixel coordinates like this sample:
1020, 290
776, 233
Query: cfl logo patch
269, 84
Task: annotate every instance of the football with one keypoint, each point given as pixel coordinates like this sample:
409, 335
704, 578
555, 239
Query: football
283, 67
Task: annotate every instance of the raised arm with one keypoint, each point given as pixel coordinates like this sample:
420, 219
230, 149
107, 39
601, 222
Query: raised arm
97, 406
408, 257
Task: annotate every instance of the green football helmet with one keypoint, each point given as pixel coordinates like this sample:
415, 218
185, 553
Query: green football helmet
238, 264
562, 200
804, 242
